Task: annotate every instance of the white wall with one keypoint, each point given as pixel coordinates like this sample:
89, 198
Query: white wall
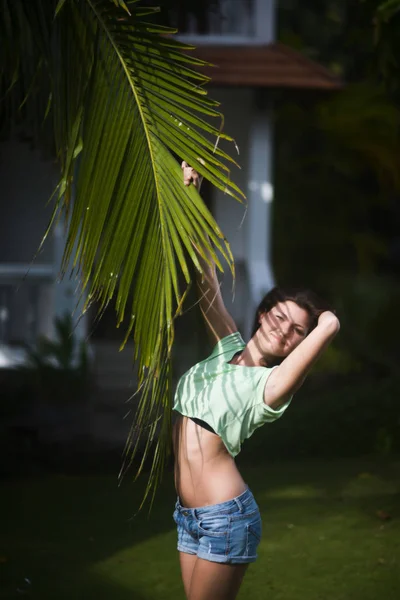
248, 231
237, 106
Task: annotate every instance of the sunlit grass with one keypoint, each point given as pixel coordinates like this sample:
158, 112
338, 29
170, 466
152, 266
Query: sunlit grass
331, 532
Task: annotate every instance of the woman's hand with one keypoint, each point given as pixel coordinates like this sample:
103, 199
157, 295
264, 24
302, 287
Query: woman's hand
329, 319
191, 176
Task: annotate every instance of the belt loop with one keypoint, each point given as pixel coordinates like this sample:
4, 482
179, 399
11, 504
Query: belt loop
239, 504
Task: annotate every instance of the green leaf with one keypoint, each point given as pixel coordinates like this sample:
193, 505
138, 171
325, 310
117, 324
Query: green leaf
59, 6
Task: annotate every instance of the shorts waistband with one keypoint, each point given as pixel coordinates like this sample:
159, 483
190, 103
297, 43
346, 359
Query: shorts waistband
238, 503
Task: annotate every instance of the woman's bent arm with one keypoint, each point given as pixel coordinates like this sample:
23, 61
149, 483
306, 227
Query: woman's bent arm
291, 373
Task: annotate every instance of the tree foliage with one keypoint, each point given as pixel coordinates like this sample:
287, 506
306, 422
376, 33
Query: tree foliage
337, 174
120, 98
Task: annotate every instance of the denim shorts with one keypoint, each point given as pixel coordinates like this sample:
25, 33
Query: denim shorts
228, 532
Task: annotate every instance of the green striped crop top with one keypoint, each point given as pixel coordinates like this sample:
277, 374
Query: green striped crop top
229, 398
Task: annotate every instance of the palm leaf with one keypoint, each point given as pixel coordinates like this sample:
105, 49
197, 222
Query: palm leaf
124, 94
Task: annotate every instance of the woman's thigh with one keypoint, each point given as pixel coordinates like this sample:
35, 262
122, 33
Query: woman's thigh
215, 580
187, 562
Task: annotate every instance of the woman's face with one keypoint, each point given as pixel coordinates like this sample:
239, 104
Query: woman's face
283, 328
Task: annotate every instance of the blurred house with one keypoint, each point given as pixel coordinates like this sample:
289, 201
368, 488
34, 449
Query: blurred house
239, 37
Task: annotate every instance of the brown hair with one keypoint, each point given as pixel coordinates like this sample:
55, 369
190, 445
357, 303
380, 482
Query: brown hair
306, 299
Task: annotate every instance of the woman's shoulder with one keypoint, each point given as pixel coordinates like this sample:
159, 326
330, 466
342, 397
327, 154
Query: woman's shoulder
222, 352
233, 341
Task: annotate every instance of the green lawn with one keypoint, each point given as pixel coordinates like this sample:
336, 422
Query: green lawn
327, 536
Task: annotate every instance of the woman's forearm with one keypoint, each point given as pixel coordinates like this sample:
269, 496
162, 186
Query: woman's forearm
207, 279
208, 268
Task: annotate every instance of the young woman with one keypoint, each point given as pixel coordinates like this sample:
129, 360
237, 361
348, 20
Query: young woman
221, 401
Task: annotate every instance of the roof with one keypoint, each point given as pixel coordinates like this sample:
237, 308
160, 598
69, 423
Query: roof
271, 66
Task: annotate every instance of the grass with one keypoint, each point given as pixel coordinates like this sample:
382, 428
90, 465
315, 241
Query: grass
331, 532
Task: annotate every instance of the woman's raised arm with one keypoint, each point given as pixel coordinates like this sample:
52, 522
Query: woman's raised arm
286, 379
218, 320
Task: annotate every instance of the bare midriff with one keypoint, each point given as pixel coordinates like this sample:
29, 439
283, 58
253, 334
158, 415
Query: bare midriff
205, 472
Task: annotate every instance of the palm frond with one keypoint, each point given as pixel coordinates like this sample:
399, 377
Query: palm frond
125, 95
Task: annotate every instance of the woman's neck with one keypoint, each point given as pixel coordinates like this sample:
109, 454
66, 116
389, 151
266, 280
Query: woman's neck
252, 356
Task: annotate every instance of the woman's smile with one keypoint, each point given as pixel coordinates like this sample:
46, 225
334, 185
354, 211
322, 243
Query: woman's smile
279, 337
284, 327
